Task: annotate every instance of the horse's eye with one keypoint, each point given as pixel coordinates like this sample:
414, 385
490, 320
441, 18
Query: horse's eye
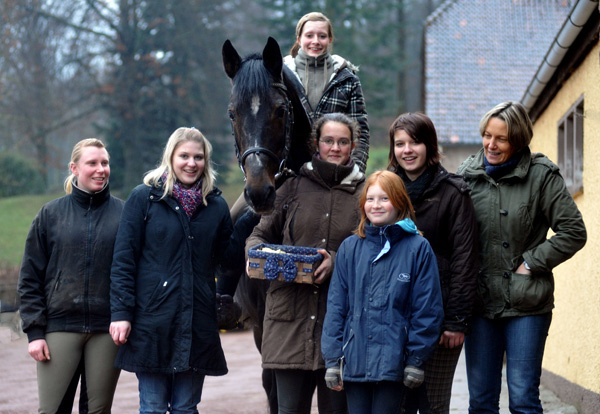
280, 112
231, 115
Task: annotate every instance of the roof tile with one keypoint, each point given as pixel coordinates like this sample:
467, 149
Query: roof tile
479, 53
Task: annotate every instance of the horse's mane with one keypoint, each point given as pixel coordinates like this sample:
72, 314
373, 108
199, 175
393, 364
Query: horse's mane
252, 78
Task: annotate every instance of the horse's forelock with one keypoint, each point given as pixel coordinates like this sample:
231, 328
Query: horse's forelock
252, 78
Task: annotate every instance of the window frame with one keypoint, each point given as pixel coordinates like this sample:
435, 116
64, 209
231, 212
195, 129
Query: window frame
570, 146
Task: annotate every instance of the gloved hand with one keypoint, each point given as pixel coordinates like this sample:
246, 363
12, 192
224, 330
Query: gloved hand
333, 377
413, 376
228, 312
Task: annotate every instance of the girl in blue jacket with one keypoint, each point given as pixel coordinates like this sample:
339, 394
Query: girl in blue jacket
384, 308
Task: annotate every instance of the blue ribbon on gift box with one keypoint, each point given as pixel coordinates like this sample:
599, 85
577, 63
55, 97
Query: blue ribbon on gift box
287, 269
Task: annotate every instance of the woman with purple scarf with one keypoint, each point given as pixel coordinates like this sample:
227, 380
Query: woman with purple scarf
175, 229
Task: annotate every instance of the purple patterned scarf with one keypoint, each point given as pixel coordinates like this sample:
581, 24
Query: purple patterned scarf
190, 198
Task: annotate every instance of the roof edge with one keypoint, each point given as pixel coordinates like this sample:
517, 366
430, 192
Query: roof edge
571, 28
441, 9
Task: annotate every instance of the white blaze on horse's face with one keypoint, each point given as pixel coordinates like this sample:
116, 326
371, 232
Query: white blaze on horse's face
255, 105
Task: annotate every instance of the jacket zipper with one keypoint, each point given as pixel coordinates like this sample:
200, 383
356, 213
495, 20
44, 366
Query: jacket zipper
88, 260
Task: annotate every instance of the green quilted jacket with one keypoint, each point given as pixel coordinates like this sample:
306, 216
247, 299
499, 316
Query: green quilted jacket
514, 215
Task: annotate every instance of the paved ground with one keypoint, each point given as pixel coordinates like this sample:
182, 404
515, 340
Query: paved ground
239, 391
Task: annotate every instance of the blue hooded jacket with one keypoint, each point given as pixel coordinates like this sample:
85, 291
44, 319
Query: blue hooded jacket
384, 309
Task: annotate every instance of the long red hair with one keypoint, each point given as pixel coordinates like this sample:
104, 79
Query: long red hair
395, 189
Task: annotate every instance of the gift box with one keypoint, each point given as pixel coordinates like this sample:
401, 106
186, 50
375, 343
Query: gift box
286, 263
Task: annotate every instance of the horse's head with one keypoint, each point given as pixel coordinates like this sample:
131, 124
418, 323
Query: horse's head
261, 116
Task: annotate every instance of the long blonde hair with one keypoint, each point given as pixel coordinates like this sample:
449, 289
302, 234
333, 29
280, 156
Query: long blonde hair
183, 134
311, 17
395, 189
76, 156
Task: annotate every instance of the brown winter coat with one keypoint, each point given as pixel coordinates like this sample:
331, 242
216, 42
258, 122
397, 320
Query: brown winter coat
308, 213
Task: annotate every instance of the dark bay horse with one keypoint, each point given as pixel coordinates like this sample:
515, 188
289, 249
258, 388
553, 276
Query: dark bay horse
272, 141
270, 125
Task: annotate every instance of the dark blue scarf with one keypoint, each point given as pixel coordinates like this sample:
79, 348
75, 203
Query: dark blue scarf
497, 171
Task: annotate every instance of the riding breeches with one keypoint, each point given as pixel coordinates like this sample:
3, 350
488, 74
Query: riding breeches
66, 350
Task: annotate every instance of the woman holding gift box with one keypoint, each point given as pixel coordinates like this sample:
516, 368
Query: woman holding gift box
318, 208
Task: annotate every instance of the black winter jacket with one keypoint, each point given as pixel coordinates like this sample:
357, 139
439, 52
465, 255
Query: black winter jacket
64, 283
446, 217
163, 282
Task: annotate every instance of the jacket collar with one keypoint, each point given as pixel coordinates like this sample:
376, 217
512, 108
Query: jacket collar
339, 63
476, 167
442, 175
86, 199
391, 233
349, 182
157, 191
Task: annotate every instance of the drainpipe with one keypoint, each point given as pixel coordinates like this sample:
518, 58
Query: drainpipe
561, 44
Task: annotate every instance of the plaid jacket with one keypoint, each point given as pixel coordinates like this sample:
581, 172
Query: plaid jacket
342, 94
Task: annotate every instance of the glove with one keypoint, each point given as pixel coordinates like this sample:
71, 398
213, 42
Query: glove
413, 376
333, 377
228, 312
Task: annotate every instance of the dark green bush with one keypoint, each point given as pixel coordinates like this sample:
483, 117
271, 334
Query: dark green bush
18, 176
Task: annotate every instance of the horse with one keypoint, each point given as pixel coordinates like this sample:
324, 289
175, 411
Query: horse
271, 131
270, 124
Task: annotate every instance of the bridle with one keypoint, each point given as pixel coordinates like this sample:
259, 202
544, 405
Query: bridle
289, 121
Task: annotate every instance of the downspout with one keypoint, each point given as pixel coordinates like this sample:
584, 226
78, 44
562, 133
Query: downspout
561, 44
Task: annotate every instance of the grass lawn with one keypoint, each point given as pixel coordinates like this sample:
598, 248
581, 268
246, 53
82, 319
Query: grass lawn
16, 215
378, 159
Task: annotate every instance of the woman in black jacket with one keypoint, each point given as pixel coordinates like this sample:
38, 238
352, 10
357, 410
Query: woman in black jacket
445, 215
174, 230
64, 284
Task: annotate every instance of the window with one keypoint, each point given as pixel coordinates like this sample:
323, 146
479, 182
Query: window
570, 147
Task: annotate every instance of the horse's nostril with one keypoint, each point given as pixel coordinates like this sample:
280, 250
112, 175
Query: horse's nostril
248, 197
270, 193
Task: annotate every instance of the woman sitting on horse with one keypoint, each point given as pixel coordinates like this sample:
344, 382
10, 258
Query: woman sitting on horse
330, 81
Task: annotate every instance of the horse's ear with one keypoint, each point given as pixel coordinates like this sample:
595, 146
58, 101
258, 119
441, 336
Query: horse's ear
272, 58
231, 59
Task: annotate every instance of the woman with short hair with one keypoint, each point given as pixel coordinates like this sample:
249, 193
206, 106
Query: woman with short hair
518, 197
